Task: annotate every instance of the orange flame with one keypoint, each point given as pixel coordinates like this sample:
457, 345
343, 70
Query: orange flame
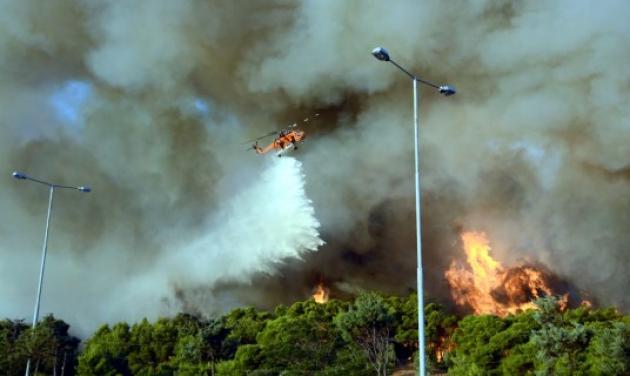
443, 346
487, 287
320, 294
586, 303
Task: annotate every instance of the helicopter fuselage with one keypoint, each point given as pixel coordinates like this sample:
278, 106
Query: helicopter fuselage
285, 141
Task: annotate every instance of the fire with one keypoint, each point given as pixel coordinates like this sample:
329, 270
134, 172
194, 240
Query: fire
443, 346
321, 293
489, 288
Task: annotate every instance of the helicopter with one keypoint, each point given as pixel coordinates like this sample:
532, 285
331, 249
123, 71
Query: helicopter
285, 139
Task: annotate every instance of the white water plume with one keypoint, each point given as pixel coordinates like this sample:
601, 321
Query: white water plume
267, 222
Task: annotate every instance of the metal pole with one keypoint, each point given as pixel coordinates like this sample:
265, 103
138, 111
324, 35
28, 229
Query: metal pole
381, 54
416, 128
41, 270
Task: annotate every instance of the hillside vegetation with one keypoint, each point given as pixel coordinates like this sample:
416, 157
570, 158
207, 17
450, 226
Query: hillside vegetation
372, 335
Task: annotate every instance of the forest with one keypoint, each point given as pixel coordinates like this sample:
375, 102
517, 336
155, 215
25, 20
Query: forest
370, 335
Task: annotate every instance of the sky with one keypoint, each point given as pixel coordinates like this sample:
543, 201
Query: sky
150, 103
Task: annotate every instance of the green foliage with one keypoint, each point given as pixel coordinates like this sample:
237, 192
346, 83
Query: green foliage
406, 317
154, 345
301, 338
609, 350
545, 341
439, 328
297, 341
12, 355
477, 352
51, 349
182, 345
368, 324
246, 360
519, 360
518, 353
243, 325
106, 352
367, 336
560, 344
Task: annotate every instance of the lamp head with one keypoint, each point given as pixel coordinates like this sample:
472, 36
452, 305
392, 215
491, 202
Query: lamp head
18, 175
447, 90
85, 189
380, 53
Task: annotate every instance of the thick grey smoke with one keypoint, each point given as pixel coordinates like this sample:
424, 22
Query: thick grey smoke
148, 102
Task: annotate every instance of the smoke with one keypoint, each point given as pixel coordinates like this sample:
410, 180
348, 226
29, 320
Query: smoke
148, 102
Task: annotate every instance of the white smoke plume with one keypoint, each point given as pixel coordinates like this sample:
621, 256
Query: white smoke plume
148, 103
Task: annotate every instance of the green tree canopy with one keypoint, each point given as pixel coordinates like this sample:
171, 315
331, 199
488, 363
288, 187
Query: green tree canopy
369, 323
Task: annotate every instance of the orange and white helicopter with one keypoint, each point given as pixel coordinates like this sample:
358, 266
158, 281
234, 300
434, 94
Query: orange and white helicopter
286, 139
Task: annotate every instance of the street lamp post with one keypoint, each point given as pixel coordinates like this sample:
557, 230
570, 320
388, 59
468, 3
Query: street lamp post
51, 189
381, 54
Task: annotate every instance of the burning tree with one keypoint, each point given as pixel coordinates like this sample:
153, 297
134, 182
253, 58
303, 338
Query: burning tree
488, 287
321, 293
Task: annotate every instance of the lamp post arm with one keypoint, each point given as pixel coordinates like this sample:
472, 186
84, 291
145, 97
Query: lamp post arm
413, 77
48, 184
64, 186
427, 82
39, 181
403, 69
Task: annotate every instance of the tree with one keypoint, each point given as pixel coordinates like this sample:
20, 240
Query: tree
299, 339
189, 356
560, 344
66, 348
246, 360
243, 325
519, 353
368, 324
475, 353
609, 350
302, 339
406, 326
12, 357
439, 328
198, 351
106, 352
154, 344
50, 348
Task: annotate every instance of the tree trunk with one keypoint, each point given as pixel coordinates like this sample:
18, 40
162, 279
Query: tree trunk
63, 364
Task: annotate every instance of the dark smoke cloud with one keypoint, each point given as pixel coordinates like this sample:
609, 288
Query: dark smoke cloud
534, 148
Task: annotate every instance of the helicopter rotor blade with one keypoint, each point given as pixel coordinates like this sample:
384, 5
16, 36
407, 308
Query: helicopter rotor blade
261, 137
306, 120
